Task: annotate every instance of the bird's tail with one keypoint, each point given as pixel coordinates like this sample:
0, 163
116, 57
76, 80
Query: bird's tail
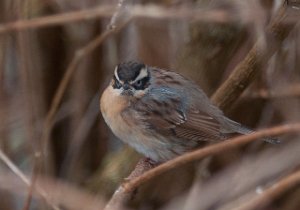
239, 128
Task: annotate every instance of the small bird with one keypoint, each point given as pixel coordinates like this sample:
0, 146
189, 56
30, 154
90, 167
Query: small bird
162, 114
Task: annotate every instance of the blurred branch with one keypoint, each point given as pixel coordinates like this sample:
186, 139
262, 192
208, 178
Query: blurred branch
246, 71
107, 178
136, 11
59, 19
208, 151
32, 184
126, 189
245, 179
24, 179
122, 194
79, 55
60, 193
272, 192
285, 92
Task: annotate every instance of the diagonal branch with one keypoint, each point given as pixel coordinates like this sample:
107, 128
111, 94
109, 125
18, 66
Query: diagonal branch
25, 179
208, 151
272, 192
79, 55
125, 191
246, 71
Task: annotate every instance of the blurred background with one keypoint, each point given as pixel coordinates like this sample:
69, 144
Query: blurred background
56, 58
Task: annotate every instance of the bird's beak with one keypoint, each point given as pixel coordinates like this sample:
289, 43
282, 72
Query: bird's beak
127, 90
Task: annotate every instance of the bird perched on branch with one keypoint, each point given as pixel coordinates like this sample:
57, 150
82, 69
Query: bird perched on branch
162, 114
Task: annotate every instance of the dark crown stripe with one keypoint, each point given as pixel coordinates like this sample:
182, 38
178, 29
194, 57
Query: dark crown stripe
129, 71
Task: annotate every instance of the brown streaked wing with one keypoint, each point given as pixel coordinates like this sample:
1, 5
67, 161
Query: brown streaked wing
170, 120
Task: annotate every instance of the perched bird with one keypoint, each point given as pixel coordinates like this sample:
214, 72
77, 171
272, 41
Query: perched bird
160, 113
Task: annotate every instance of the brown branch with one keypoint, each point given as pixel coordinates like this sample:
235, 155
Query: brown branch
79, 55
60, 193
108, 11
246, 71
208, 151
32, 183
285, 92
272, 192
126, 190
137, 11
24, 178
121, 195
102, 11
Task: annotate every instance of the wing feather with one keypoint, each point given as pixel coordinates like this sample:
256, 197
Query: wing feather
171, 119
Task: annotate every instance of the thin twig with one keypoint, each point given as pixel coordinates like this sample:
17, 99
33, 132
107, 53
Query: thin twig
116, 16
32, 183
79, 55
23, 177
272, 192
59, 19
136, 11
61, 193
284, 92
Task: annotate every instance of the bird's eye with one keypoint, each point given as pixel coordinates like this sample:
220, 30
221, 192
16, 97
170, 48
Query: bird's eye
141, 84
116, 84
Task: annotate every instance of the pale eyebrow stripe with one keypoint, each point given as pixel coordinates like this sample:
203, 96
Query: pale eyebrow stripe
116, 75
143, 73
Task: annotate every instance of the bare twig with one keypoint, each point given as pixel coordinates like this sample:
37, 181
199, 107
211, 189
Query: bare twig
245, 72
272, 192
126, 189
102, 11
60, 193
79, 55
23, 177
24, 71
209, 150
116, 16
136, 11
120, 195
244, 179
32, 183
285, 92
